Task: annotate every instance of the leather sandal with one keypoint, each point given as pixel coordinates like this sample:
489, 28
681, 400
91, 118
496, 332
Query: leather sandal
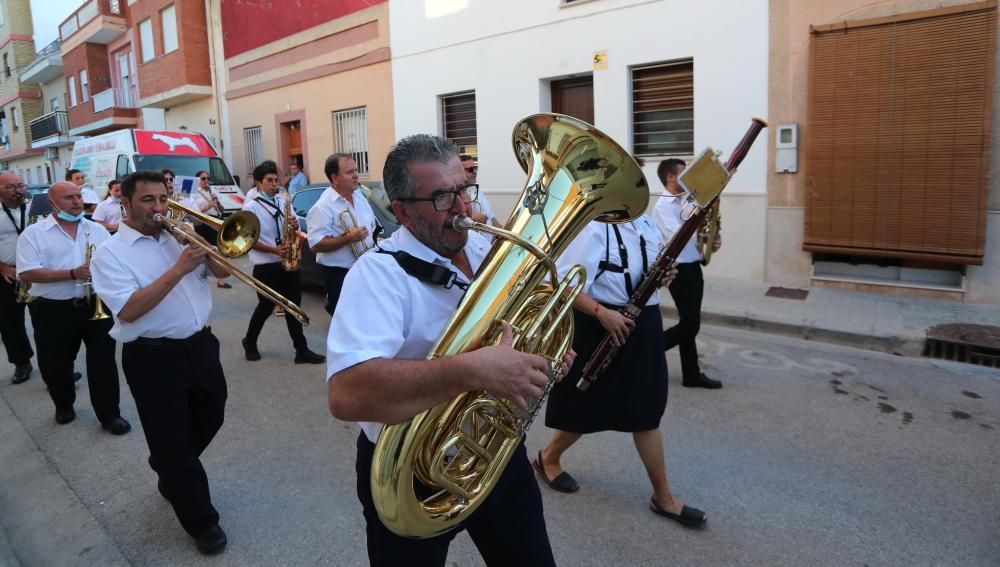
690, 517
561, 483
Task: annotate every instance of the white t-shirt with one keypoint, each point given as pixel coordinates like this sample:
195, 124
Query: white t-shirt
130, 261
324, 220
667, 216
108, 211
46, 245
272, 220
404, 318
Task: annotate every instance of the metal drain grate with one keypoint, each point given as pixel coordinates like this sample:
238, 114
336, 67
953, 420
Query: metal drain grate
787, 293
964, 342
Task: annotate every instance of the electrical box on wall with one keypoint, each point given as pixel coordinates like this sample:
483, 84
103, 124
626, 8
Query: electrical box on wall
786, 149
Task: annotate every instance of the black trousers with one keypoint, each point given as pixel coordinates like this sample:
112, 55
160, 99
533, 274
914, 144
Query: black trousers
180, 393
288, 285
687, 290
60, 327
508, 528
12, 330
333, 281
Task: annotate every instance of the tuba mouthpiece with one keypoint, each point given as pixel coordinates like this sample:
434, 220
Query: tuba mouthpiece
461, 222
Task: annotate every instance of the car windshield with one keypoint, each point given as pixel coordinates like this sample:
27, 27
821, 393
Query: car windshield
304, 199
187, 165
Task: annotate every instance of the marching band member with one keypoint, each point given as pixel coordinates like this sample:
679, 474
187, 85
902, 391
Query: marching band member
51, 255
157, 291
109, 211
377, 372
689, 287
206, 200
266, 257
632, 394
12, 224
332, 236
484, 211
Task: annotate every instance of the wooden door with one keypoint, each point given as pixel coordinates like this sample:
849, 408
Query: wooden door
574, 97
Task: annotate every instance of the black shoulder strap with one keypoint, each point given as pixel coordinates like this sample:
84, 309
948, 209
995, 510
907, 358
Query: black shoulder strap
17, 228
426, 271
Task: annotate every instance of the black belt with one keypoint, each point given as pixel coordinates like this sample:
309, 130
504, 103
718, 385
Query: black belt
166, 342
75, 302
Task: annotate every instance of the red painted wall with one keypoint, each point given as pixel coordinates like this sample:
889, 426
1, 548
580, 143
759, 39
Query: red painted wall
248, 24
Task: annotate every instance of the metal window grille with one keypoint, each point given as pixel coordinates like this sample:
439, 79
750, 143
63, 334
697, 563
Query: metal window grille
458, 121
253, 138
350, 133
663, 109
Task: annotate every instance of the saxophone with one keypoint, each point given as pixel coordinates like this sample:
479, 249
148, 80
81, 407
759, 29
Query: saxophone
290, 236
708, 233
460, 447
21, 288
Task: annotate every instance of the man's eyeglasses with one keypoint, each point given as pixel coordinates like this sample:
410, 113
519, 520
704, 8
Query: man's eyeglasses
169, 179
15, 186
203, 178
444, 200
472, 169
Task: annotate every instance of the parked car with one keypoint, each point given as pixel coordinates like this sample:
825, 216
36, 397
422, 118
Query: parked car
303, 199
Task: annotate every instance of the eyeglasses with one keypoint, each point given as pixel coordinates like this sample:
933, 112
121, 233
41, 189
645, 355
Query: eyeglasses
444, 199
472, 169
203, 178
15, 186
169, 179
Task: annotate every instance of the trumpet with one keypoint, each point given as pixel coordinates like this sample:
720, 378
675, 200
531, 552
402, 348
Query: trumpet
349, 221
99, 312
236, 235
174, 227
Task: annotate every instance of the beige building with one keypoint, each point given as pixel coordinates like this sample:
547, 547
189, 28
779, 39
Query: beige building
321, 85
881, 172
50, 131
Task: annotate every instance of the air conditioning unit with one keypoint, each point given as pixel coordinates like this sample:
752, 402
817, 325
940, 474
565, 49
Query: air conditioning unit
4, 140
51, 153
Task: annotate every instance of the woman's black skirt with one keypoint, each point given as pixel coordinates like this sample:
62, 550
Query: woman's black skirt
630, 396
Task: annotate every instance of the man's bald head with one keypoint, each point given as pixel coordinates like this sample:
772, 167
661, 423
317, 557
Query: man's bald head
65, 196
60, 188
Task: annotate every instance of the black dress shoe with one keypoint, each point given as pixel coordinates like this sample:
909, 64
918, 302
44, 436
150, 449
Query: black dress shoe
212, 541
22, 372
64, 416
306, 356
250, 350
117, 426
702, 381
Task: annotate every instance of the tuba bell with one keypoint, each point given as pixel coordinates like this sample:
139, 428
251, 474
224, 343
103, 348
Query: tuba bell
460, 447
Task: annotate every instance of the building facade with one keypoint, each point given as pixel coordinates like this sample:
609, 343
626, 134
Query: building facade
299, 85
20, 101
50, 131
663, 79
887, 179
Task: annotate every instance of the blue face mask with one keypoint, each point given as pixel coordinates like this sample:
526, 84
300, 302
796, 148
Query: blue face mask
68, 217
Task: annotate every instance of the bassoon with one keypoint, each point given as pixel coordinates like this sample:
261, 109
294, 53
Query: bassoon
606, 350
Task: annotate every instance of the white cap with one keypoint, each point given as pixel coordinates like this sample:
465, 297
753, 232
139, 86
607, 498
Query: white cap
89, 196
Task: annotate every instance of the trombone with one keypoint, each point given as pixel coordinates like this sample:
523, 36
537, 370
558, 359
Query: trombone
236, 235
233, 236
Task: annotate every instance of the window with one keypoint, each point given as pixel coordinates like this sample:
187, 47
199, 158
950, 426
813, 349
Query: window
458, 121
13, 118
885, 107
72, 91
146, 40
663, 109
168, 20
6, 65
254, 140
350, 134
84, 87
54, 104
27, 176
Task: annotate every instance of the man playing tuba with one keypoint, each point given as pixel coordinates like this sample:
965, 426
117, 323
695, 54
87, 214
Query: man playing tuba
376, 344
341, 225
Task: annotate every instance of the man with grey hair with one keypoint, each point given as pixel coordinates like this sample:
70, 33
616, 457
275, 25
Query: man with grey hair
376, 366
12, 224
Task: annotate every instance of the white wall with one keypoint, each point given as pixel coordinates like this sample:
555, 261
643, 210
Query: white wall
507, 51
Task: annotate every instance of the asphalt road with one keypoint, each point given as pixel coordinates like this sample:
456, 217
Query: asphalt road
811, 454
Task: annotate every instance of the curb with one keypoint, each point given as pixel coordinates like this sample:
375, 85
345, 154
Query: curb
902, 344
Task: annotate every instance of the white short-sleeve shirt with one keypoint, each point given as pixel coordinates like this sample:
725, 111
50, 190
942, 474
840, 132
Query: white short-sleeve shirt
130, 261
109, 211
324, 220
404, 318
597, 239
667, 215
272, 221
487, 207
46, 245
8, 233
200, 198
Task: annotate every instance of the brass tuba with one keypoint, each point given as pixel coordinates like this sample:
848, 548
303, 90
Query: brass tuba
460, 447
708, 233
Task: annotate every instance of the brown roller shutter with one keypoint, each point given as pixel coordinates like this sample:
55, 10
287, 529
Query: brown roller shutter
459, 118
898, 135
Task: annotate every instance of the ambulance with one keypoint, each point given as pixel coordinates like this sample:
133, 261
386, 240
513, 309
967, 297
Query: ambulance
116, 154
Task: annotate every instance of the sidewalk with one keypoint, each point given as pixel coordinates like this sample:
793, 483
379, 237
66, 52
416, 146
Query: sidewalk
871, 321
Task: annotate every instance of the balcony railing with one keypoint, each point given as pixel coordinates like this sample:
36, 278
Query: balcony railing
115, 98
48, 125
87, 12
